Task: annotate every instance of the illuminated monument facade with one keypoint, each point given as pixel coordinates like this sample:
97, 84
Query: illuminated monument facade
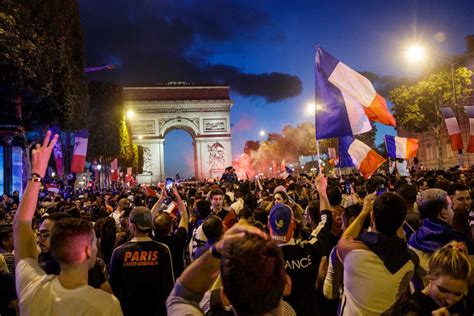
202, 111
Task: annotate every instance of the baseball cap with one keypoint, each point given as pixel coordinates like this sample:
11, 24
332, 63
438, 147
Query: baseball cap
280, 220
141, 216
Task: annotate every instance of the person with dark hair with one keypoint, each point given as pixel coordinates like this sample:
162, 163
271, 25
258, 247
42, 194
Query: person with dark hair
106, 233
73, 245
198, 239
435, 231
409, 193
252, 272
377, 265
213, 229
229, 217
141, 271
175, 240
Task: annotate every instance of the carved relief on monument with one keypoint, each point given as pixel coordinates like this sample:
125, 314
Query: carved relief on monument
216, 159
192, 122
147, 160
215, 125
141, 127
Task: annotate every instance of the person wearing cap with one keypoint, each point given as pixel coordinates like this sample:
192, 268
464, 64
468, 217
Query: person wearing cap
436, 230
302, 257
141, 271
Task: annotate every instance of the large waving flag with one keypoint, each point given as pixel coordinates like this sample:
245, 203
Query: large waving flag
470, 114
345, 159
345, 100
453, 128
401, 147
365, 158
80, 151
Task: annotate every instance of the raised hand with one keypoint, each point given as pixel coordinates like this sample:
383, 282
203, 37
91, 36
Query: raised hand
41, 154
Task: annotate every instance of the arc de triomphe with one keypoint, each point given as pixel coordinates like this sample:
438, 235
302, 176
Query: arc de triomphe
202, 111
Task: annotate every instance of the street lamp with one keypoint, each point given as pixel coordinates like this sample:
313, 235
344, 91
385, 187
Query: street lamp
130, 114
311, 108
417, 53
262, 133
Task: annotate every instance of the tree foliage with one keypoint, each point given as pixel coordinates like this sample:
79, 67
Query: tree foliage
417, 107
126, 146
41, 68
106, 111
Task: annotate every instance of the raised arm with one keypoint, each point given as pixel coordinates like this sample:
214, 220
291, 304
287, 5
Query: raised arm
321, 183
155, 209
183, 213
23, 235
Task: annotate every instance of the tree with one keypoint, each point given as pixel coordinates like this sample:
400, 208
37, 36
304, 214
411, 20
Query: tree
126, 147
417, 107
104, 118
41, 69
368, 137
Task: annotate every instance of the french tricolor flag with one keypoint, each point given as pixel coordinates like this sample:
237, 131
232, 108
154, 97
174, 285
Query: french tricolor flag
401, 147
470, 114
364, 158
453, 128
80, 151
345, 100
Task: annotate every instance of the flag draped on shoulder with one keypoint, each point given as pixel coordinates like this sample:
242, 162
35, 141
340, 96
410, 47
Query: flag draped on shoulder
401, 147
80, 151
345, 100
453, 128
365, 158
470, 114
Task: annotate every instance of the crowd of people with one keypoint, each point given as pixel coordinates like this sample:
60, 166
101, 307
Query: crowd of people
303, 245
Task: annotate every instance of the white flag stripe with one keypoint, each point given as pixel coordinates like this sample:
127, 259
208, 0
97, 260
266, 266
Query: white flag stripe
401, 146
357, 118
353, 83
452, 125
358, 151
81, 146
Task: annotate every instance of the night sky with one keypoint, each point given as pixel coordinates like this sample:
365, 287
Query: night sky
263, 49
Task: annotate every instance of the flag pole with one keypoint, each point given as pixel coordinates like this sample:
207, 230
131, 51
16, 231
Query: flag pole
318, 155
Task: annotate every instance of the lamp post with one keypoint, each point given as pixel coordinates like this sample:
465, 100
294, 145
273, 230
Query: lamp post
417, 53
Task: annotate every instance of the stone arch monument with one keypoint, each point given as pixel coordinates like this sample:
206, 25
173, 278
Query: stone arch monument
202, 111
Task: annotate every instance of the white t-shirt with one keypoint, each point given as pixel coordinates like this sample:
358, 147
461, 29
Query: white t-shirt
369, 288
42, 294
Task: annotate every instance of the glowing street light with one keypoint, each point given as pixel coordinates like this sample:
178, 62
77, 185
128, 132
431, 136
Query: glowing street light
99, 167
415, 53
130, 114
53, 174
262, 133
310, 108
